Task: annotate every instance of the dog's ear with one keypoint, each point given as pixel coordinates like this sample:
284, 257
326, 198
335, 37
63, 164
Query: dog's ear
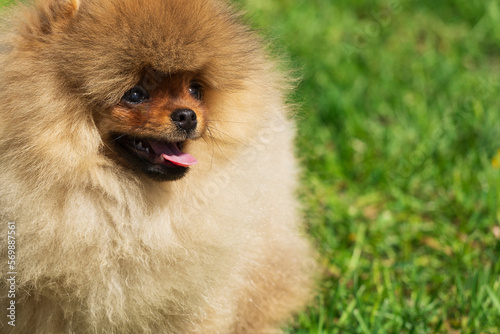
54, 15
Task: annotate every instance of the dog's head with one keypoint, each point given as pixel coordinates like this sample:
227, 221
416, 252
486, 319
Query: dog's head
131, 87
150, 74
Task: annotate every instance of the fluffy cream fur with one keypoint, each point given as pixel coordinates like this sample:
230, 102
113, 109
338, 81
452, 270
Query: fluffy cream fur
104, 249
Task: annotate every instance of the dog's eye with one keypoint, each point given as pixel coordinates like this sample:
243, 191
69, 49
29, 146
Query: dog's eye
136, 95
196, 90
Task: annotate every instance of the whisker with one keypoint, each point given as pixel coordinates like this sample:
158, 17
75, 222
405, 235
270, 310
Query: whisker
228, 121
215, 143
230, 138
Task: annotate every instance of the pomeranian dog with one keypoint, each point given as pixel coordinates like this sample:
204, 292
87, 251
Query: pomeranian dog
147, 172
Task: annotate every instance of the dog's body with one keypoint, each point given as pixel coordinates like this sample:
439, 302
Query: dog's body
113, 238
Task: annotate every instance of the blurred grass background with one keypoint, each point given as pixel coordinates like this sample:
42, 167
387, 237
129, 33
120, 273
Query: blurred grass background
399, 132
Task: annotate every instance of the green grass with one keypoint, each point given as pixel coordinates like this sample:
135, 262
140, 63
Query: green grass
399, 124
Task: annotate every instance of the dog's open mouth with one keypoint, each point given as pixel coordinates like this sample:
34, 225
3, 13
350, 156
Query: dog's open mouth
162, 153
161, 160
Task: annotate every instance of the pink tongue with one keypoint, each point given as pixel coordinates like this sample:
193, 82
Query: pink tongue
170, 152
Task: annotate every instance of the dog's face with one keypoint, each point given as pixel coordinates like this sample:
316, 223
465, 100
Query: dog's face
147, 130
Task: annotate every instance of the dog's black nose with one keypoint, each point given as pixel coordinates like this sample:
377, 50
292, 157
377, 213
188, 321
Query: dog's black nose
184, 119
